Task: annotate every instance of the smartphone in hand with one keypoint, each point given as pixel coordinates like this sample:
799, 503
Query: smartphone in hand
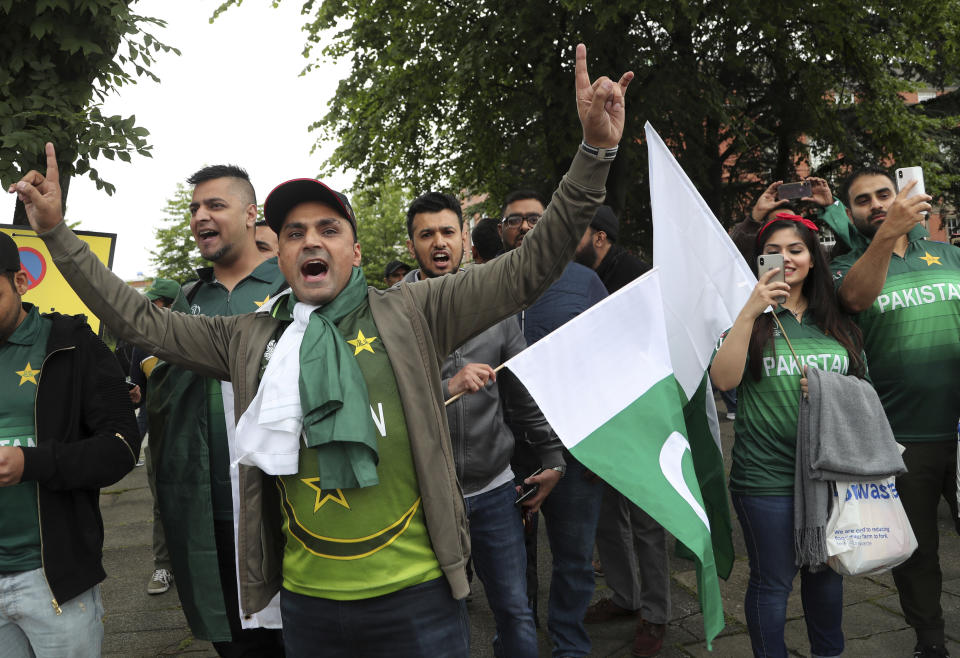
528, 490
767, 262
800, 190
907, 174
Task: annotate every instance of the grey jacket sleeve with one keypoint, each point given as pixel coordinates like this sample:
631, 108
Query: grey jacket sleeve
524, 417
197, 342
459, 307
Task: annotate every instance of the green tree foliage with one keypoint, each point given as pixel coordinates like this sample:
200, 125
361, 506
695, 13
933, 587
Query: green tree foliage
59, 59
176, 255
381, 212
479, 95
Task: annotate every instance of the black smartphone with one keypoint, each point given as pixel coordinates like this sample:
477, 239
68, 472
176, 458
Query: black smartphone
528, 490
799, 190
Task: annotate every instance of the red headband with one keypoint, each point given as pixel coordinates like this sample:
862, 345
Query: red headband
789, 217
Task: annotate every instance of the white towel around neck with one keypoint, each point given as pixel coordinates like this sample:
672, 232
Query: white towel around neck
268, 433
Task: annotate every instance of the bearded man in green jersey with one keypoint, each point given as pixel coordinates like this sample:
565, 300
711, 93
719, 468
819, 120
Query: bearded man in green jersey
905, 290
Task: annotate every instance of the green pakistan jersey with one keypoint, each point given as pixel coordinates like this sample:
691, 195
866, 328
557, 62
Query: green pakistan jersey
912, 338
212, 298
359, 543
765, 431
20, 360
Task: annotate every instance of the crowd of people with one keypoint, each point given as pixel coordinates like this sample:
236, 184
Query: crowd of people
333, 464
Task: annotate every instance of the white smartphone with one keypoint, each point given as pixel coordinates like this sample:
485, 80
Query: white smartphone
767, 262
907, 174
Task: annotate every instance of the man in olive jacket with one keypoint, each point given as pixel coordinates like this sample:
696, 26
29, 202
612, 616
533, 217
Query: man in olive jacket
414, 604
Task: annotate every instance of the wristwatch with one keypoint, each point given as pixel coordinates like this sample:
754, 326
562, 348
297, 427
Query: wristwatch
560, 468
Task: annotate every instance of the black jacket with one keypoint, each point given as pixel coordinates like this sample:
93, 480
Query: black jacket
619, 267
87, 438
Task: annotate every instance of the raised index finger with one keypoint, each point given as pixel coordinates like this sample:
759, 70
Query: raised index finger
53, 171
583, 80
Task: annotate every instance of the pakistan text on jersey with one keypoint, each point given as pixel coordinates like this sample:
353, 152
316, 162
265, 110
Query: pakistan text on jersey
22, 442
925, 294
785, 364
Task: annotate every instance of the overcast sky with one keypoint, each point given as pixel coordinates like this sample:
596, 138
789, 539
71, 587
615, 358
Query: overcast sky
233, 96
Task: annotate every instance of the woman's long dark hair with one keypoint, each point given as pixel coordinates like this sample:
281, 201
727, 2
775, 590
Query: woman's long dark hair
822, 304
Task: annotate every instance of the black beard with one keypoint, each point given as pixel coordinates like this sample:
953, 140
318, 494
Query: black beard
867, 229
587, 256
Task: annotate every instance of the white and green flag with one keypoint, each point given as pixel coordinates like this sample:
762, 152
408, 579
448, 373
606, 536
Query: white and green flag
624, 384
605, 384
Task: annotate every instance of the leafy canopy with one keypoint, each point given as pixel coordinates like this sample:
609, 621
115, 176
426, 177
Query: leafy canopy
479, 95
381, 213
59, 59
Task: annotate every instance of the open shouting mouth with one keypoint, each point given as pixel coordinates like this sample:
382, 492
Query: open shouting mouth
314, 270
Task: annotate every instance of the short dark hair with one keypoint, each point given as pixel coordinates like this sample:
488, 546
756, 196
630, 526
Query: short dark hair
486, 238
860, 173
212, 172
262, 222
13, 282
432, 202
520, 195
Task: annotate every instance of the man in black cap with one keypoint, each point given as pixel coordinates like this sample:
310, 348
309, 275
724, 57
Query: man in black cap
394, 272
337, 391
66, 429
598, 250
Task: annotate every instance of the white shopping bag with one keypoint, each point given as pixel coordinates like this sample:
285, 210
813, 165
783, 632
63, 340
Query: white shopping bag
867, 531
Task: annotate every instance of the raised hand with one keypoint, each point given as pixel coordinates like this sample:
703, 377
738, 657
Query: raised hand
905, 212
767, 202
41, 194
765, 293
820, 193
600, 104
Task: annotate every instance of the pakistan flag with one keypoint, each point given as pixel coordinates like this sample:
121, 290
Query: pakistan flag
620, 411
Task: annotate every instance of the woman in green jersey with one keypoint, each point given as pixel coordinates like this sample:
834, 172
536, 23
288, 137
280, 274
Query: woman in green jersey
753, 357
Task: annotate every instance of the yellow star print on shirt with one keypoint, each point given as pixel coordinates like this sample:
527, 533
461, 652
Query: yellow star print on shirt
361, 342
930, 260
265, 300
28, 374
323, 495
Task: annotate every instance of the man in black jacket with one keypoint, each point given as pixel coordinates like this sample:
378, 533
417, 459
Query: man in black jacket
66, 429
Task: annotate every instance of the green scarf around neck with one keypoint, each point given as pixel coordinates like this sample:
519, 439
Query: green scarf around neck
333, 394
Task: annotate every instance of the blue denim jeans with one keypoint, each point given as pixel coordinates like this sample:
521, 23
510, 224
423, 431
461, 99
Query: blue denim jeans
767, 523
500, 560
29, 626
422, 621
571, 512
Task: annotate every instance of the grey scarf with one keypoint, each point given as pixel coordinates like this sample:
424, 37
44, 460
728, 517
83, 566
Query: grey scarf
842, 434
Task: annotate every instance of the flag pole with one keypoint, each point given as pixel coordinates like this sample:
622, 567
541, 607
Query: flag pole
462, 393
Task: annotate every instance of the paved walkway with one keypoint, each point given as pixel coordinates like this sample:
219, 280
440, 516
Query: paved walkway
138, 624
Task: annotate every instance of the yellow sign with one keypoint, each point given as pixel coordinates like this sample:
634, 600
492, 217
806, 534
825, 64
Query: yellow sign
49, 291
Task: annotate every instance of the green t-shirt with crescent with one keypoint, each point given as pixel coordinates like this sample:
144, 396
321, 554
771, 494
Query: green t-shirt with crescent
765, 431
911, 336
360, 543
20, 360
212, 298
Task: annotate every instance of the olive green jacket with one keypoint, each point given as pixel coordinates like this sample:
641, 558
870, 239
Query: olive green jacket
419, 324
